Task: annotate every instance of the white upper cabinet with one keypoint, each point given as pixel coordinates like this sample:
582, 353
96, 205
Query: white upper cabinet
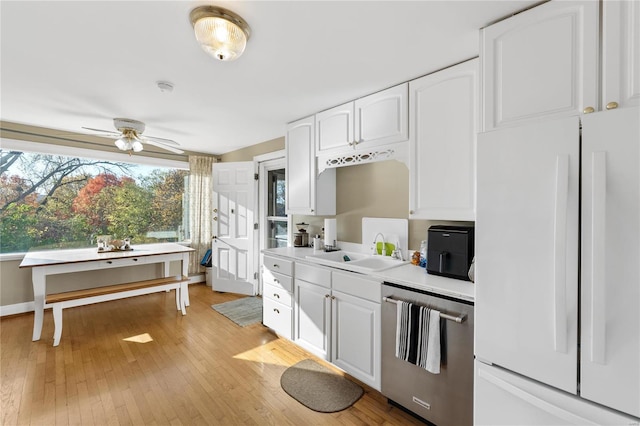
540, 63
443, 116
382, 118
307, 193
620, 54
377, 119
334, 128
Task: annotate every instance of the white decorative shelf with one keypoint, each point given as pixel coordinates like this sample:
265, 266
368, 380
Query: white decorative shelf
396, 151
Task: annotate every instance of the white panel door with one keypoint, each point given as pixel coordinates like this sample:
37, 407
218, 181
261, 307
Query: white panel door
233, 219
620, 53
540, 63
610, 326
527, 251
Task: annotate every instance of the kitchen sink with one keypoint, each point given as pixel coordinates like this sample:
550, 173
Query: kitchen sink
358, 262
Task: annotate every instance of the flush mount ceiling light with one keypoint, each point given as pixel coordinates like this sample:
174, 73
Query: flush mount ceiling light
220, 32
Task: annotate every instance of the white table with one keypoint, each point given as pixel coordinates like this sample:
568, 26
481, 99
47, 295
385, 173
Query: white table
44, 263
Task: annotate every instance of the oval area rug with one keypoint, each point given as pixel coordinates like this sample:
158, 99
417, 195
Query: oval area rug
318, 388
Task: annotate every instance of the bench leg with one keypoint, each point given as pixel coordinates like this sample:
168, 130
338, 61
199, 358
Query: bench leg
57, 322
178, 299
184, 294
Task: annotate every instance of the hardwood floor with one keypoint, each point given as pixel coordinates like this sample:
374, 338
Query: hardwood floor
138, 361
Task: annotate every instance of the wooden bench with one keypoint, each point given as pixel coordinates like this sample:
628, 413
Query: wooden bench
70, 299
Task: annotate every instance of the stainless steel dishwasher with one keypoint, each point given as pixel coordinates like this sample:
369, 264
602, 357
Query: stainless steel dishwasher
442, 399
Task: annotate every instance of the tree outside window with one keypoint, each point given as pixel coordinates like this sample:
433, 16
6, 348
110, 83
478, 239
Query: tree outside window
50, 201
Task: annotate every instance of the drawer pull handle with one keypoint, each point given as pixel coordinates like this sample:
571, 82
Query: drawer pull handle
276, 295
327, 296
135, 260
275, 265
109, 262
276, 281
276, 310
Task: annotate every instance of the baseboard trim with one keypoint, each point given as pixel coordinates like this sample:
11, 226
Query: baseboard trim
17, 308
23, 308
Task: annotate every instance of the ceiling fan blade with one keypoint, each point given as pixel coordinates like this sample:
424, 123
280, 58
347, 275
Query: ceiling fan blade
162, 145
107, 132
161, 140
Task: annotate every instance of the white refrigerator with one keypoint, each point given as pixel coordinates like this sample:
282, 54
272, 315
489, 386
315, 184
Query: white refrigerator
557, 315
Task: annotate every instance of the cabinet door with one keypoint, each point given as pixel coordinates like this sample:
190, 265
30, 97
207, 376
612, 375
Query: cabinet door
301, 173
382, 118
540, 63
621, 53
312, 318
610, 326
355, 337
444, 116
334, 128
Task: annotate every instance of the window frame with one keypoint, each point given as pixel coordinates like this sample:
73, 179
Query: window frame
94, 154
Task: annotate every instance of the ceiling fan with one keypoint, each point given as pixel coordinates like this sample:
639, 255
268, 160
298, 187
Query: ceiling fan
130, 136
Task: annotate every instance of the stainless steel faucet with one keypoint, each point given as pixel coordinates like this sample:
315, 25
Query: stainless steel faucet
384, 245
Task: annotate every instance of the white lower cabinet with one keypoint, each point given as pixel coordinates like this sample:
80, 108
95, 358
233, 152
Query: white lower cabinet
337, 318
312, 306
277, 295
356, 326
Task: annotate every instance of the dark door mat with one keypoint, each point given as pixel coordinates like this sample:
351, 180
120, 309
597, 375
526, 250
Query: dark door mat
319, 388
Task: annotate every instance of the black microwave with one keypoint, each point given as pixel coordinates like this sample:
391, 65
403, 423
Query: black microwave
450, 251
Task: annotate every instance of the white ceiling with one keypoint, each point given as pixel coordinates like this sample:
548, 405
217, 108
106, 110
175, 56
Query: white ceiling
72, 64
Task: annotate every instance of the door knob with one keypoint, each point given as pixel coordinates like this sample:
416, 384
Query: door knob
612, 105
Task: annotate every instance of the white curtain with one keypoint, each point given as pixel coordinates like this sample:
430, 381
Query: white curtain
200, 193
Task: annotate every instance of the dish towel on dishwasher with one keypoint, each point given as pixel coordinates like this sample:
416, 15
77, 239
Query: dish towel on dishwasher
418, 335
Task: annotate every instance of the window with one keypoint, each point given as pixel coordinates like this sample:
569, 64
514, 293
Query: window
54, 201
277, 232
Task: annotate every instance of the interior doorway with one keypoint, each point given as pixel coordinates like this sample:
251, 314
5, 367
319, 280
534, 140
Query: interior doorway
274, 225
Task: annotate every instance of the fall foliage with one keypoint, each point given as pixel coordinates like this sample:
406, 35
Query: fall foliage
51, 201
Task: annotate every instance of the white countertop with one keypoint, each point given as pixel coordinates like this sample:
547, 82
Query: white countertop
416, 277
407, 275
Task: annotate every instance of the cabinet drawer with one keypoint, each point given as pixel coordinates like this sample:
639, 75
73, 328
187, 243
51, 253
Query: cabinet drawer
314, 274
275, 279
277, 317
278, 264
277, 294
127, 261
357, 286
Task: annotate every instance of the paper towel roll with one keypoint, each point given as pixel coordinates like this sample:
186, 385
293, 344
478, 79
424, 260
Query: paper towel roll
330, 232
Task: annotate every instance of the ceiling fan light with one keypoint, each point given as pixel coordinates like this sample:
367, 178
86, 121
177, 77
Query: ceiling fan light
121, 144
136, 146
220, 32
